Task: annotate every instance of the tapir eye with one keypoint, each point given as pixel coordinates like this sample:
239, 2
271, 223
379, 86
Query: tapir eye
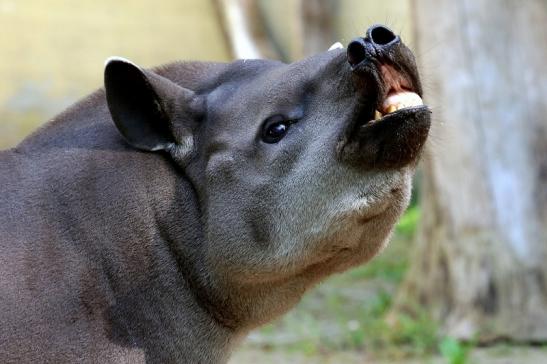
275, 128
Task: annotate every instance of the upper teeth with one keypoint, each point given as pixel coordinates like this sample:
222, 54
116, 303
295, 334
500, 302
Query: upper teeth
401, 100
398, 101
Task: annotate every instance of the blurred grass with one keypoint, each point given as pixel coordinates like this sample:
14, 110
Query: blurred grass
351, 311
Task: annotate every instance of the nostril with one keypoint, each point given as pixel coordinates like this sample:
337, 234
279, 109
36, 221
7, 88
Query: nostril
381, 35
356, 51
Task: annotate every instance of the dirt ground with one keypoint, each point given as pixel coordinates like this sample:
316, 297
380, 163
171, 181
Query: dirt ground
495, 355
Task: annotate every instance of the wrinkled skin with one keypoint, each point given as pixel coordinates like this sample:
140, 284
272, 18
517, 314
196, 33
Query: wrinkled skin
170, 243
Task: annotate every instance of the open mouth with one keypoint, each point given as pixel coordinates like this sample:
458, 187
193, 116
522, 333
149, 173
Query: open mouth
399, 95
390, 123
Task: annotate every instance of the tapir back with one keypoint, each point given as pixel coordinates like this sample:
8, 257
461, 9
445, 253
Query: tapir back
62, 191
44, 268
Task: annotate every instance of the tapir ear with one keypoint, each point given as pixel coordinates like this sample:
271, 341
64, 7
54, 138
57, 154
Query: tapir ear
151, 112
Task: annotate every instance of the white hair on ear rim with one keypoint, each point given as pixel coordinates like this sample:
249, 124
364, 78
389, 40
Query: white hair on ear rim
118, 59
336, 45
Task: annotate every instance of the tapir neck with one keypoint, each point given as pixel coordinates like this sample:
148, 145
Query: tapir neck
134, 219
161, 291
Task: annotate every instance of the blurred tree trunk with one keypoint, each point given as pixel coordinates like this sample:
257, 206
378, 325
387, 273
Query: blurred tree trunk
243, 25
317, 28
248, 26
481, 257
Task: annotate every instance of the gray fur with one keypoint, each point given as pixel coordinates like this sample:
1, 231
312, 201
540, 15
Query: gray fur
171, 245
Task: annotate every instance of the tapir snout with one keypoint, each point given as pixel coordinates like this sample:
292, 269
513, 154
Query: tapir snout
391, 123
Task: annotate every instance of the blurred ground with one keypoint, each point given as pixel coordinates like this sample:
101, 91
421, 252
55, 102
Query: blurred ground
496, 355
344, 320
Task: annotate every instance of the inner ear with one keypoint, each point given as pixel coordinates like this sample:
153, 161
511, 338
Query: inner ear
136, 107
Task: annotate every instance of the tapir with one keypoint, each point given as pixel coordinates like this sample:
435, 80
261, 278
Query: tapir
163, 217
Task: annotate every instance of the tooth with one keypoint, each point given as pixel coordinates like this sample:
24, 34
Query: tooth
391, 108
377, 115
404, 98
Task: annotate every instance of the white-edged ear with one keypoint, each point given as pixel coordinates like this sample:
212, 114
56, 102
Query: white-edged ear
118, 59
151, 112
336, 45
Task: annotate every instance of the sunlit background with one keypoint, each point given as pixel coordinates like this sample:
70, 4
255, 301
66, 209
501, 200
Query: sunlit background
53, 51
438, 293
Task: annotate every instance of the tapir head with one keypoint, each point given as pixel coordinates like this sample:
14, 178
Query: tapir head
300, 169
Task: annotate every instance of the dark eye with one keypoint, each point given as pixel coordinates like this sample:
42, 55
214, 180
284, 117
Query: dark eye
275, 129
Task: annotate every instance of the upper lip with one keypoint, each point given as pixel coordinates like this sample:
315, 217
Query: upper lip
394, 78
